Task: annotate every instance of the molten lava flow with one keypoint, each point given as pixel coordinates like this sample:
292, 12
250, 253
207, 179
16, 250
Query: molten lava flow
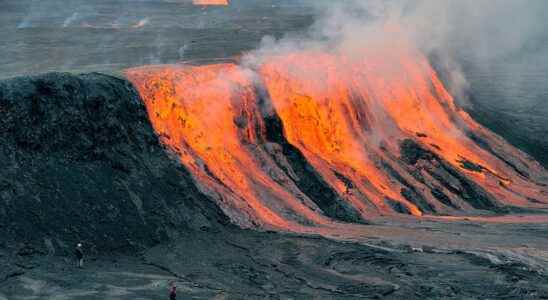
350, 115
210, 2
378, 129
209, 116
311, 92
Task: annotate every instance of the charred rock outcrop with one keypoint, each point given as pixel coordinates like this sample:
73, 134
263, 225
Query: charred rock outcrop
447, 176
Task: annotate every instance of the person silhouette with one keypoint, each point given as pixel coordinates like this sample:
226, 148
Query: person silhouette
79, 252
173, 293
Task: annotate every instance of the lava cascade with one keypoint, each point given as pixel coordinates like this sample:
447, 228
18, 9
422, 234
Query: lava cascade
210, 116
379, 129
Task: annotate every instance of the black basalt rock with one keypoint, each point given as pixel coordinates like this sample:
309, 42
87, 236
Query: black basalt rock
411, 152
80, 161
448, 176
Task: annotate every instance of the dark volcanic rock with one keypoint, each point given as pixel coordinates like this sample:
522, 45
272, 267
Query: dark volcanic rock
80, 162
447, 176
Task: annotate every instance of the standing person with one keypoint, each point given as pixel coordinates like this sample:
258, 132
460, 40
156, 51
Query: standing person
173, 293
79, 252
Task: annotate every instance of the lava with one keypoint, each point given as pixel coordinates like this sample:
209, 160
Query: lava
210, 2
210, 116
350, 115
378, 128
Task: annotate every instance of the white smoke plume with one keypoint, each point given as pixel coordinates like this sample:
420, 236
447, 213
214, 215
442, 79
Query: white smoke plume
480, 31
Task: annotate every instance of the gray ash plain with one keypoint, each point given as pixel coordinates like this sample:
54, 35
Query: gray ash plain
253, 265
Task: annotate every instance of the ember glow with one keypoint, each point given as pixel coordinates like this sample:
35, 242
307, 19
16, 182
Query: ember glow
378, 128
210, 2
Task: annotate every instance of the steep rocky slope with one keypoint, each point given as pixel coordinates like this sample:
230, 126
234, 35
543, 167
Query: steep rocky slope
80, 162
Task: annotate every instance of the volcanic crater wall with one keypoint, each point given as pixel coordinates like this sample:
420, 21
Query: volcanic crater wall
80, 162
312, 137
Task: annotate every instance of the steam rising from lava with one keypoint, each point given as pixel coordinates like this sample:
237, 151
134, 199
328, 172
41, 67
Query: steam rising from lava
365, 120
383, 142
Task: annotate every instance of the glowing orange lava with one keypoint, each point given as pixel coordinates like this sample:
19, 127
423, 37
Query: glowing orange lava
379, 128
210, 2
209, 116
341, 111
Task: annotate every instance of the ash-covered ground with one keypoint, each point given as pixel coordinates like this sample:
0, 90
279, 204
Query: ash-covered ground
67, 181
509, 263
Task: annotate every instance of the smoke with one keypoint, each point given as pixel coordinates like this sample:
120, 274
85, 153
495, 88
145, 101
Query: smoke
488, 29
345, 26
71, 19
480, 33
